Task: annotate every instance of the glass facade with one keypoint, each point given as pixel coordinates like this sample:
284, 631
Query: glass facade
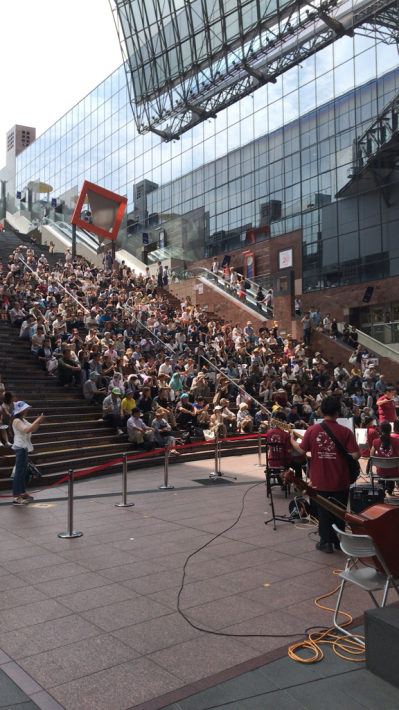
269, 164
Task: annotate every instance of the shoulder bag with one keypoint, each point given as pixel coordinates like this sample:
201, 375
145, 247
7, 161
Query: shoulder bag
353, 465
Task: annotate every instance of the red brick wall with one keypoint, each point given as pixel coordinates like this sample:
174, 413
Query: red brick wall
334, 351
339, 301
285, 241
261, 254
266, 255
217, 303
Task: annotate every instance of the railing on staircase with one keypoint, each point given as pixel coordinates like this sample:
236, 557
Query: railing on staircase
64, 230
219, 283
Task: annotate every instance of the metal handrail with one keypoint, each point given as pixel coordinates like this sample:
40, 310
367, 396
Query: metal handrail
208, 272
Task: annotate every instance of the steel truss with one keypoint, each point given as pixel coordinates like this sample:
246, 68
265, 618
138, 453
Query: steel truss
170, 105
375, 154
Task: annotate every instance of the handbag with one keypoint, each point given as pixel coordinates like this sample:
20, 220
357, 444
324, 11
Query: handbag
353, 465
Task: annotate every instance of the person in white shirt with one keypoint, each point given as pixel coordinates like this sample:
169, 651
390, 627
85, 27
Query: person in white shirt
166, 368
22, 446
137, 430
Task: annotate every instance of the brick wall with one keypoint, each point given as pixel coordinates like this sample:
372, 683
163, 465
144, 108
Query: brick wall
333, 351
340, 301
216, 303
261, 254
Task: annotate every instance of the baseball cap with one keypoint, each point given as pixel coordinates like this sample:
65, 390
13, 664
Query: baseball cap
116, 391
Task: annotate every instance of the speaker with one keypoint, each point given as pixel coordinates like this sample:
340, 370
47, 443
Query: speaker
368, 294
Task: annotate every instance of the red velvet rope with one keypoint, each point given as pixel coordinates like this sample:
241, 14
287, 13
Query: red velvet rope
136, 457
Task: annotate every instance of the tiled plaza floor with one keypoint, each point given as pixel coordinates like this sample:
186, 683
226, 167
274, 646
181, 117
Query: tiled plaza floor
92, 623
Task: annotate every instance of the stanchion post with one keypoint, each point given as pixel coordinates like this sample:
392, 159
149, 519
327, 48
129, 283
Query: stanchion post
259, 449
166, 486
216, 471
70, 532
124, 503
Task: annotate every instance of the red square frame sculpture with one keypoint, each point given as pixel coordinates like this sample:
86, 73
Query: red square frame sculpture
118, 199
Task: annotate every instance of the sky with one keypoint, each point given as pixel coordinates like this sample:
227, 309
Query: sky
53, 53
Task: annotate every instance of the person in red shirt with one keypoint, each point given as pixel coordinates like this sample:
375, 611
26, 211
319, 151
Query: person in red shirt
371, 433
329, 472
387, 447
386, 406
279, 456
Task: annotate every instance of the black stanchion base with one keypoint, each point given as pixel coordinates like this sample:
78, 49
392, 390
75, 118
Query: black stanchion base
123, 505
166, 488
74, 533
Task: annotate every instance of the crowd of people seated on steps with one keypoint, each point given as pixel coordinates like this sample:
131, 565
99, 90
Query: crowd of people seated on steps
155, 369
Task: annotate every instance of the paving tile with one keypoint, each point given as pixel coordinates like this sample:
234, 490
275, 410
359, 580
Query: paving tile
43, 637
23, 680
10, 694
134, 570
29, 563
149, 584
72, 584
367, 689
278, 700
244, 580
113, 559
117, 688
76, 660
96, 597
20, 596
44, 701
278, 595
288, 567
156, 634
30, 614
117, 616
29, 705
252, 683
202, 656
220, 613
286, 672
47, 574
322, 693
11, 581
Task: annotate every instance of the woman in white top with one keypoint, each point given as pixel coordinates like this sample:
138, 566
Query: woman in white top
22, 446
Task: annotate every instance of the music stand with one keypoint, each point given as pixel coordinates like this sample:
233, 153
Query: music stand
271, 471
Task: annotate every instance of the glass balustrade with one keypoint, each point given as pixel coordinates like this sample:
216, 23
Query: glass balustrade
217, 281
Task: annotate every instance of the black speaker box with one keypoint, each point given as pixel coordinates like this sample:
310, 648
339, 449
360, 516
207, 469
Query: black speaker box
362, 495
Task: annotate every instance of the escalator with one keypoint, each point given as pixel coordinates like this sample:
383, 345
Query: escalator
218, 283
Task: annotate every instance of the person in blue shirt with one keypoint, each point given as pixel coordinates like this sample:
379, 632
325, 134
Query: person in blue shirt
358, 398
316, 318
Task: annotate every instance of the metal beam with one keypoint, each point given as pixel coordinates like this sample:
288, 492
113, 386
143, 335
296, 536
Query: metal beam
277, 43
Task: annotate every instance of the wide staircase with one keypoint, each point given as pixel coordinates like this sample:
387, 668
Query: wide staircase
73, 435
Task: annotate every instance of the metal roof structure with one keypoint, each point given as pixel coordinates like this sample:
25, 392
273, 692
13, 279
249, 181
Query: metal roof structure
186, 60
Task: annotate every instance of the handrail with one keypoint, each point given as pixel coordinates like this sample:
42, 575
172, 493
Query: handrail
66, 230
208, 273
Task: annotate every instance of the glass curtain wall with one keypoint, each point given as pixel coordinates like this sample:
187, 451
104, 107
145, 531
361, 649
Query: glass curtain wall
284, 151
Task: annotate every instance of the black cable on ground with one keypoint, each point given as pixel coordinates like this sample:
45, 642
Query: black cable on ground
221, 633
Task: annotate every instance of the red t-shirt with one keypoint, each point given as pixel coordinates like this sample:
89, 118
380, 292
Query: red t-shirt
386, 410
278, 436
389, 453
328, 468
370, 436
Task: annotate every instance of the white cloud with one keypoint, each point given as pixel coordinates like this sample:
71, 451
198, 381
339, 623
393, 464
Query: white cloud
53, 53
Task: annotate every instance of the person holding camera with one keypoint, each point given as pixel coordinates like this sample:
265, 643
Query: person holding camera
22, 446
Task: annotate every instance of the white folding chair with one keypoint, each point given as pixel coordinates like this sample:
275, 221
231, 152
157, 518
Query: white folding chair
380, 462
367, 578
